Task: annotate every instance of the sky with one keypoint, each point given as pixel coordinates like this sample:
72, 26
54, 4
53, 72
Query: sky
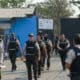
38, 1
77, 11
34, 1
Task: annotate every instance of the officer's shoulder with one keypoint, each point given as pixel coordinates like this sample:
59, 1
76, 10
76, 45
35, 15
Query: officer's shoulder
72, 48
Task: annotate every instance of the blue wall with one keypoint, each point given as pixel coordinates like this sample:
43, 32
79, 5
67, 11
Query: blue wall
23, 26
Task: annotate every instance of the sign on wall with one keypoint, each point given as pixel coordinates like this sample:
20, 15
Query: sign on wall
45, 24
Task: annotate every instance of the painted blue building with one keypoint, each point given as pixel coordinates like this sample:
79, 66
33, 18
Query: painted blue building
23, 26
20, 21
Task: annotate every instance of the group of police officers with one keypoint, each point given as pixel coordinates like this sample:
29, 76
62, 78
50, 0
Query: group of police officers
70, 55
36, 52
39, 50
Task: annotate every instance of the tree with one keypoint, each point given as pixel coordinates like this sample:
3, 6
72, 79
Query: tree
55, 9
77, 4
11, 3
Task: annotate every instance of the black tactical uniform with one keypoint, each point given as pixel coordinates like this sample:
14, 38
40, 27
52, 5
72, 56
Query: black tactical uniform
63, 45
75, 66
48, 44
1, 55
73, 59
48, 47
41, 62
31, 59
43, 53
12, 49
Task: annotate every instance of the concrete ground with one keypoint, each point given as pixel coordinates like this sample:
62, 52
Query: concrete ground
55, 72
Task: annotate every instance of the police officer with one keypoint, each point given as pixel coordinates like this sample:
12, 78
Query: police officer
13, 46
31, 49
63, 45
48, 44
1, 50
73, 59
43, 54
1, 54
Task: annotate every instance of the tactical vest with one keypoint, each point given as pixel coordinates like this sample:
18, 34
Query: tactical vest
47, 45
63, 44
30, 48
12, 44
75, 66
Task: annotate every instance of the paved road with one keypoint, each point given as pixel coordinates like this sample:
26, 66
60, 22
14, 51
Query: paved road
55, 72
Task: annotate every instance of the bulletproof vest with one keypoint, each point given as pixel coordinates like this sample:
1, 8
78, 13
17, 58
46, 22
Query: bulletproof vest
47, 45
75, 66
63, 44
12, 44
30, 47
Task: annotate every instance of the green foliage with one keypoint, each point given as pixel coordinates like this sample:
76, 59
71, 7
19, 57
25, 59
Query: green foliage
55, 9
11, 3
